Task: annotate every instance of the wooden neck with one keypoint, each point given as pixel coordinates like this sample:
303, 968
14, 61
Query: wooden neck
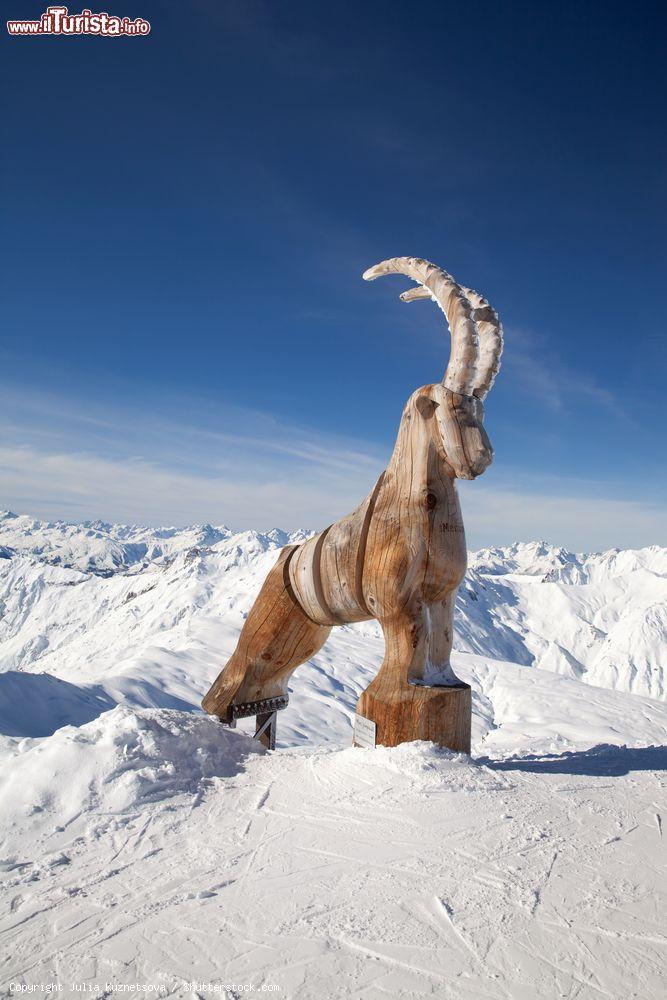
418, 460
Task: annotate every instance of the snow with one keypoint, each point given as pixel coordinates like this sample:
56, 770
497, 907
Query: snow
143, 843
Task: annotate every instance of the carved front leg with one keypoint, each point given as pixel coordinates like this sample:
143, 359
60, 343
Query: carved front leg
416, 695
432, 637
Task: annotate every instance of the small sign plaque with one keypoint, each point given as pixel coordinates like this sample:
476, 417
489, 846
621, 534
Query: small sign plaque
364, 732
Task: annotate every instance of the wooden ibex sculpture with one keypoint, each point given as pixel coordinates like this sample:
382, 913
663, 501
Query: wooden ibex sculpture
399, 557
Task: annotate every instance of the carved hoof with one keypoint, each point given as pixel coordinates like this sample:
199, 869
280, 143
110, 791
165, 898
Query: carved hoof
407, 712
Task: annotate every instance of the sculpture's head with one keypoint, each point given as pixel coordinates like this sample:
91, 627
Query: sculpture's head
477, 343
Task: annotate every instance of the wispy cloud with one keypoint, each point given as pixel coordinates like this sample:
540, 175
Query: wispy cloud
81, 486
176, 461
544, 376
179, 460
559, 514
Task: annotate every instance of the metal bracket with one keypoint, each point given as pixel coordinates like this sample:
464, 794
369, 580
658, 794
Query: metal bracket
266, 715
247, 708
267, 724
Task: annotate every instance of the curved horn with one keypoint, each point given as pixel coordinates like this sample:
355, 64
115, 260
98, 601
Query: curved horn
412, 294
490, 342
460, 373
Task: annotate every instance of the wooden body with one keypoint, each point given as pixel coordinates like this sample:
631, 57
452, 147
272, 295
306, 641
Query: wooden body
399, 557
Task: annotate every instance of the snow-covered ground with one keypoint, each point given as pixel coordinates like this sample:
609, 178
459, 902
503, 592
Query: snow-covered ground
143, 843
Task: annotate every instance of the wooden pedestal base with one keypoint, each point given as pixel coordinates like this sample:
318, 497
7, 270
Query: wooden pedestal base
413, 712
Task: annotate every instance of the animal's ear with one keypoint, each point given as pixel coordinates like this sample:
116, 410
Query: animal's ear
425, 406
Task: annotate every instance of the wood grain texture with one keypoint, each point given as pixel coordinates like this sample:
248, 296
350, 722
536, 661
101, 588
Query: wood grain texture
405, 712
277, 636
398, 557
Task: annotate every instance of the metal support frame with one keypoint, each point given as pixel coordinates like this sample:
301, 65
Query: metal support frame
267, 724
266, 717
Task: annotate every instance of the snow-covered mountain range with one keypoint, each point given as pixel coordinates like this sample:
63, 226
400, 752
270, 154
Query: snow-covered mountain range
148, 615
143, 843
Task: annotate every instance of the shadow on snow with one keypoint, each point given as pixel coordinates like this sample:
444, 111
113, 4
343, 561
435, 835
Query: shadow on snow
602, 760
38, 704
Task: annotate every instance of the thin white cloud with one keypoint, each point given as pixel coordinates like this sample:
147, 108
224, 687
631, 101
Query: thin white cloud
580, 523
83, 486
156, 464
245, 468
545, 377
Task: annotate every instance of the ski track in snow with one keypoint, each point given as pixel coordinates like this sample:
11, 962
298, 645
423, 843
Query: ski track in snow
141, 842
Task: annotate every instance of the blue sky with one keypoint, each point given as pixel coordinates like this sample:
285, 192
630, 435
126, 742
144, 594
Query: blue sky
186, 335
